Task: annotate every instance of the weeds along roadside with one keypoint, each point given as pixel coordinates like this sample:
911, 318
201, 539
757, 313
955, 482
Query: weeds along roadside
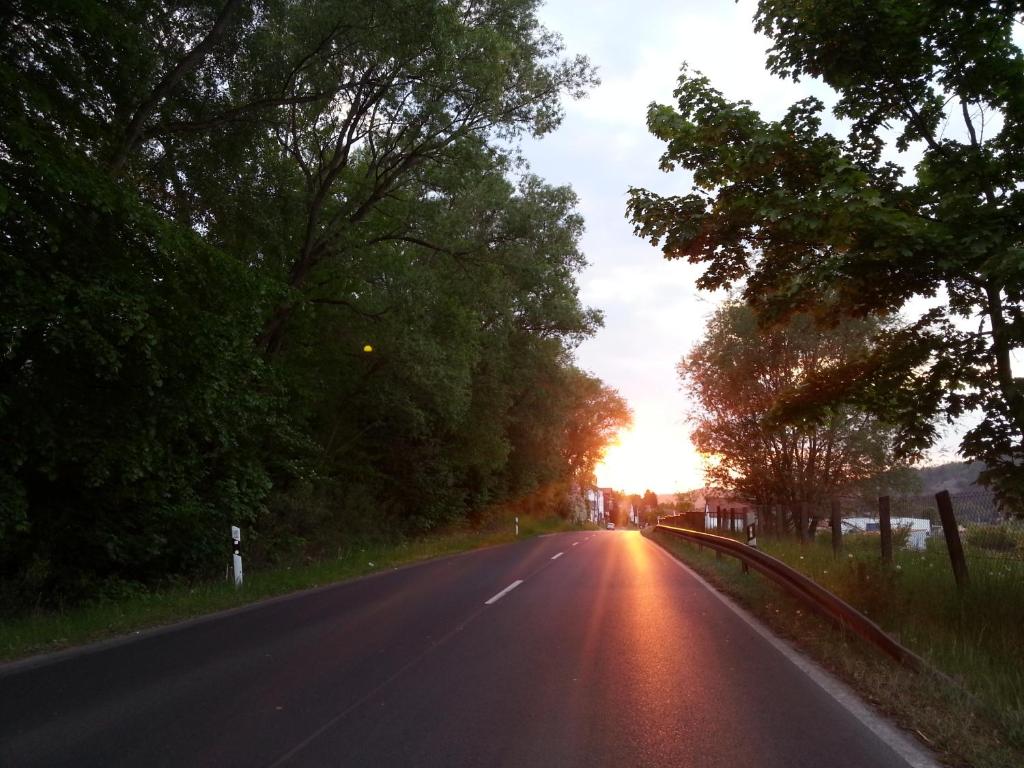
970, 638
47, 631
975, 636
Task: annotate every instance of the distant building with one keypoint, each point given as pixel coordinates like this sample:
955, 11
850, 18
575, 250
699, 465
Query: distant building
918, 528
727, 514
593, 501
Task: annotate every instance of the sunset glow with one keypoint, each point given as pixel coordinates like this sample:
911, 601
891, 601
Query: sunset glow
653, 454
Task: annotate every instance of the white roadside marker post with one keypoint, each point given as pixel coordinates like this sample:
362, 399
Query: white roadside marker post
236, 557
517, 525
751, 542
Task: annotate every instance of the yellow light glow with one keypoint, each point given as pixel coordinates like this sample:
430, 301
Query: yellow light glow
367, 348
655, 455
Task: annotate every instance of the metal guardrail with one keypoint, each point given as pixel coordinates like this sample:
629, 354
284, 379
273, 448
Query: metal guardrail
809, 592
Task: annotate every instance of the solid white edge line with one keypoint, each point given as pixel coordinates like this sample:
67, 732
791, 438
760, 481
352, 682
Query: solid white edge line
558, 555
504, 592
904, 746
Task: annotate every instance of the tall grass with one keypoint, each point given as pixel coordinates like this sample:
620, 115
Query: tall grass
44, 631
976, 635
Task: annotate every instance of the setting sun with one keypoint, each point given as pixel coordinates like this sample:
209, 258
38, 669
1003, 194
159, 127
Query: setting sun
653, 454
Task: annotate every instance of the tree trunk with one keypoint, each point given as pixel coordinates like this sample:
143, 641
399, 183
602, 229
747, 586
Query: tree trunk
1001, 353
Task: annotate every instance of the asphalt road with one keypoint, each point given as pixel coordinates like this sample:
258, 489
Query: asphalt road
607, 654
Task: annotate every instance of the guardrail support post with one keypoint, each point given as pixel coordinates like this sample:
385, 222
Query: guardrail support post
885, 528
751, 542
952, 533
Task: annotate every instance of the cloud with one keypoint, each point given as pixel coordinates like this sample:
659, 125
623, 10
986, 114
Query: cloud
715, 39
653, 312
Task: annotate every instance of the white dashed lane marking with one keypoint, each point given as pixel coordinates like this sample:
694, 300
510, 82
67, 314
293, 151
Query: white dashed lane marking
504, 592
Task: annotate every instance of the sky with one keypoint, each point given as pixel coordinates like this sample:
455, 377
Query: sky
653, 312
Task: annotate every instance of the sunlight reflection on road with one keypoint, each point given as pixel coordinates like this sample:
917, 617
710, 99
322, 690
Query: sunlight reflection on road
650, 632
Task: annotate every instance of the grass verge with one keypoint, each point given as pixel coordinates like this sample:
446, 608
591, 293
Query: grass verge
47, 631
974, 722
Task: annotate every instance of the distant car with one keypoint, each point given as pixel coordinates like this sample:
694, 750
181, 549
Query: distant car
611, 526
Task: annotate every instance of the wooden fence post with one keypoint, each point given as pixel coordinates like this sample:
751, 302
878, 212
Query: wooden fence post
885, 528
952, 533
837, 528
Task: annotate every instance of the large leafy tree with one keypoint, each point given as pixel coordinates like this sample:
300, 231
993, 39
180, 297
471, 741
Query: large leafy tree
808, 222
357, 102
209, 208
597, 414
742, 377
132, 405
466, 395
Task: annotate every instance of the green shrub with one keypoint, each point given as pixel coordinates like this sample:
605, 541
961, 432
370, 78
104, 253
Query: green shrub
993, 537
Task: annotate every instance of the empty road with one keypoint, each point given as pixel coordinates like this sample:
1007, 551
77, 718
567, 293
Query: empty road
580, 649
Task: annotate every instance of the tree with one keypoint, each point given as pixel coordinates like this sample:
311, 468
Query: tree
598, 414
741, 375
377, 95
133, 406
808, 222
465, 398
209, 208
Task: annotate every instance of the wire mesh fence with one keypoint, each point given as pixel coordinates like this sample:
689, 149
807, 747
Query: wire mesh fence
985, 541
992, 541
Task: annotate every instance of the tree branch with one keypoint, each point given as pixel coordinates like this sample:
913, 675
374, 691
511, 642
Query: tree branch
923, 130
133, 133
419, 241
970, 125
235, 113
351, 306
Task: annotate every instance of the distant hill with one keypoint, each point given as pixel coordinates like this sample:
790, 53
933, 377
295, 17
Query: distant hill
954, 476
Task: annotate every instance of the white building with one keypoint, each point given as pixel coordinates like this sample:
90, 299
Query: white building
593, 499
920, 528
